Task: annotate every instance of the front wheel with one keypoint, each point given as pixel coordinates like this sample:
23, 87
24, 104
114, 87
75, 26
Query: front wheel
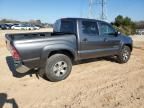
124, 55
58, 67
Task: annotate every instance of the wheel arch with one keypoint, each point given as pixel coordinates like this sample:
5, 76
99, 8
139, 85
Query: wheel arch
67, 52
55, 49
49, 51
130, 46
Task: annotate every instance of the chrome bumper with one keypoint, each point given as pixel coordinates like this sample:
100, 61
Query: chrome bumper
20, 68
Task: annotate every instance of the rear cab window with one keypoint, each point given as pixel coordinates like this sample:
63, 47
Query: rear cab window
65, 26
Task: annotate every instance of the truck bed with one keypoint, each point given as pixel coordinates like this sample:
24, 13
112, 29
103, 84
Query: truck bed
33, 35
30, 46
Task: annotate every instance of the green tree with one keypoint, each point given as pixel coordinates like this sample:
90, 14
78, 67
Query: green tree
127, 21
118, 20
124, 25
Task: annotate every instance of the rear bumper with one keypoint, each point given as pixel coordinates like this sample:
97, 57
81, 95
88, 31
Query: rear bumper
20, 68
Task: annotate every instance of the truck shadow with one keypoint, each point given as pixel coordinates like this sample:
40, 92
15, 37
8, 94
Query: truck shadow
139, 48
4, 100
11, 66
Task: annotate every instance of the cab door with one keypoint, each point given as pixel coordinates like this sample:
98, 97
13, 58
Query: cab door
111, 38
91, 43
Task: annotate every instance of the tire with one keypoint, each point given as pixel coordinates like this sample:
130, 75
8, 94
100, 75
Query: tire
124, 55
58, 67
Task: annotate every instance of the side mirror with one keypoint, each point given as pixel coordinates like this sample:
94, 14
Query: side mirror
117, 33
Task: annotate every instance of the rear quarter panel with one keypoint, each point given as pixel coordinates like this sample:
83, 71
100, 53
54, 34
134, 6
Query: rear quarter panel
36, 51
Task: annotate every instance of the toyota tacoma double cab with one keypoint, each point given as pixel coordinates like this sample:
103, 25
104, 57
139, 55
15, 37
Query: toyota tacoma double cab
73, 39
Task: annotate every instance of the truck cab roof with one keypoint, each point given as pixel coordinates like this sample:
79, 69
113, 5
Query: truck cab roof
69, 25
76, 19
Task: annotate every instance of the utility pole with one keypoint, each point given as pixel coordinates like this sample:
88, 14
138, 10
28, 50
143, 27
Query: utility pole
96, 6
103, 7
91, 9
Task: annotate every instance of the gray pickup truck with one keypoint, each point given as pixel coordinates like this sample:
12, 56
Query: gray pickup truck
73, 39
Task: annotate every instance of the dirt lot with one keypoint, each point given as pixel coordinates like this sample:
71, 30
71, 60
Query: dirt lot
101, 83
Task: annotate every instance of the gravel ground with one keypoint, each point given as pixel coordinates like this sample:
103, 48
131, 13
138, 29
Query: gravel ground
100, 83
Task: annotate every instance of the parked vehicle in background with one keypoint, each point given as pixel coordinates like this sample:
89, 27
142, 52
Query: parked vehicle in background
8, 26
25, 27
140, 31
4, 26
32, 27
18, 27
73, 39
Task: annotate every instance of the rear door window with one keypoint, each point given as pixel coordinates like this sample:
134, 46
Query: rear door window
89, 28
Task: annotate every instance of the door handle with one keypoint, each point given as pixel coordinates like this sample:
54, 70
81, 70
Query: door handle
84, 40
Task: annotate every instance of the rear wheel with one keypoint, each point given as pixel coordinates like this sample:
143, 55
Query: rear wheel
124, 55
58, 67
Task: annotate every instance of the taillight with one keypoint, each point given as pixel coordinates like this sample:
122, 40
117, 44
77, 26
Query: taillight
14, 53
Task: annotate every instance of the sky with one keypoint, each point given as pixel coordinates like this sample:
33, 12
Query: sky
50, 10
